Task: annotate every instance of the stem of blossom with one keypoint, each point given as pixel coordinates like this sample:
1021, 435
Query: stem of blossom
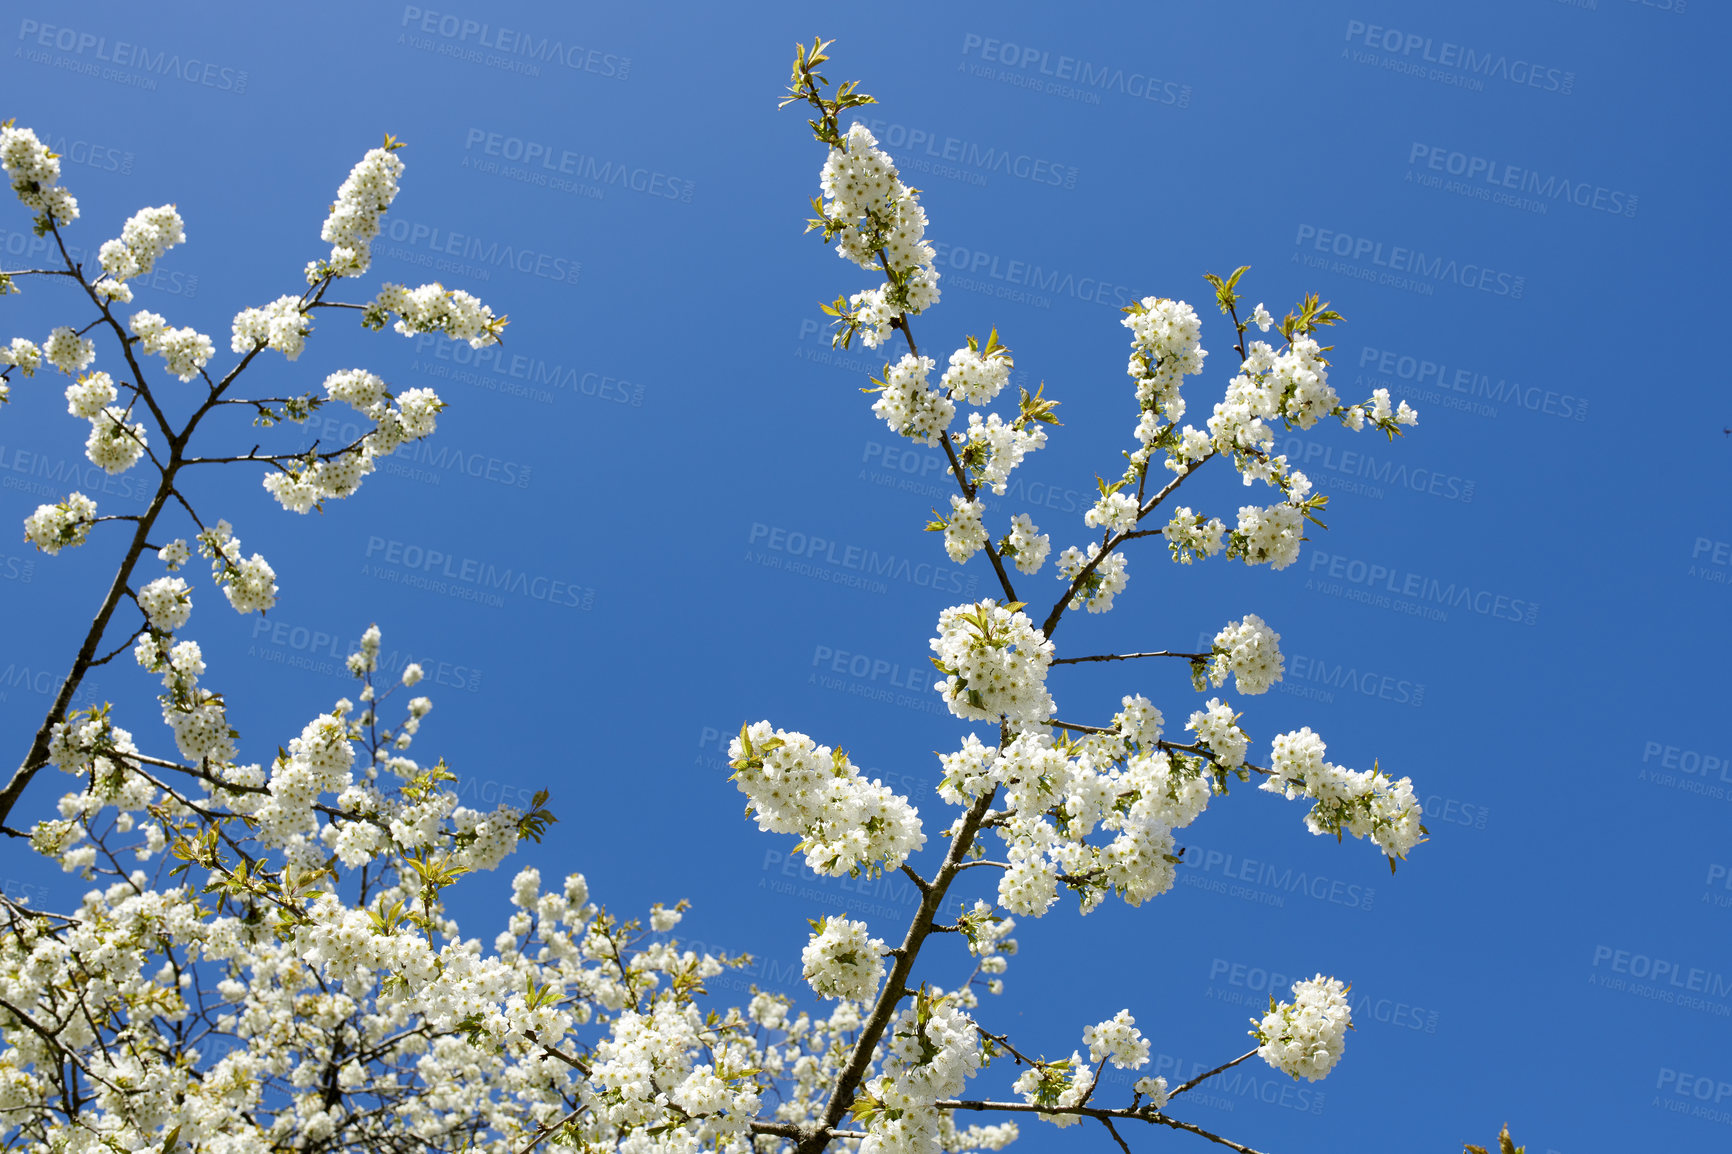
895, 988
1217, 1070
535, 1139
956, 469
1126, 657
1142, 1114
38, 755
1112, 543
1078, 728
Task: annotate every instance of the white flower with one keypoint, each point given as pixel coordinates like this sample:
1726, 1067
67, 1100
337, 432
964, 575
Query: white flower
114, 444
90, 394
964, 534
433, 308
147, 234
280, 325
1104, 582
1116, 512
909, 406
991, 448
55, 527
1217, 726
22, 353
1270, 536
35, 175
1117, 1040
995, 664
845, 822
1027, 544
354, 219
251, 585
1189, 535
1305, 1037
67, 351
167, 602
977, 376
842, 960
1250, 650
184, 350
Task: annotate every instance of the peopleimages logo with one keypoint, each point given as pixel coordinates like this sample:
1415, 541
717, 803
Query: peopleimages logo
527, 47
1428, 592
1702, 1088
1464, 388
1661, 980
1358, 465
1409, 52
474, 252
1072, 78
92, 49
915, 145
468, 578
1023, 274
855, 565
1404, 268
1506, 181
102, 157
545, 164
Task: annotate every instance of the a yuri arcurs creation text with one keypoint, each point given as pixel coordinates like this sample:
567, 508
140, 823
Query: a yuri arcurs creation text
265, 960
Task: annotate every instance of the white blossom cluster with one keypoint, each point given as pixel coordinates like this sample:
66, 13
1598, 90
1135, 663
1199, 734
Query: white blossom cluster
1116, 512
871, 211
1121, 784
995, 664
1271, 535
26, 355
1368, 803
994, 446
1166, 347
146, 236
90, 395
1190, 535
934, 1049
67, 351
964, 534
843, 960
1304, 1038
978, 375
845, 822
1104, 582
433, 308
302, 487
183, 350
55, 527
1217, 727
1063, 1085
1118, 1041
115, 444
1249, 650
35, 175
167, 603
989, 940
353, 222
281, 325
908, 405
248, 583
1026, 544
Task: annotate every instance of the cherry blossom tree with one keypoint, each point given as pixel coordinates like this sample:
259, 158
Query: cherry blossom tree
266, 959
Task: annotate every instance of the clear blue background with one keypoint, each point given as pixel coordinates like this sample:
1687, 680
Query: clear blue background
1579, 820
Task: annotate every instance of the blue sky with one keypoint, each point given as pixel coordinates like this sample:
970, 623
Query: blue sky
1511, 203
